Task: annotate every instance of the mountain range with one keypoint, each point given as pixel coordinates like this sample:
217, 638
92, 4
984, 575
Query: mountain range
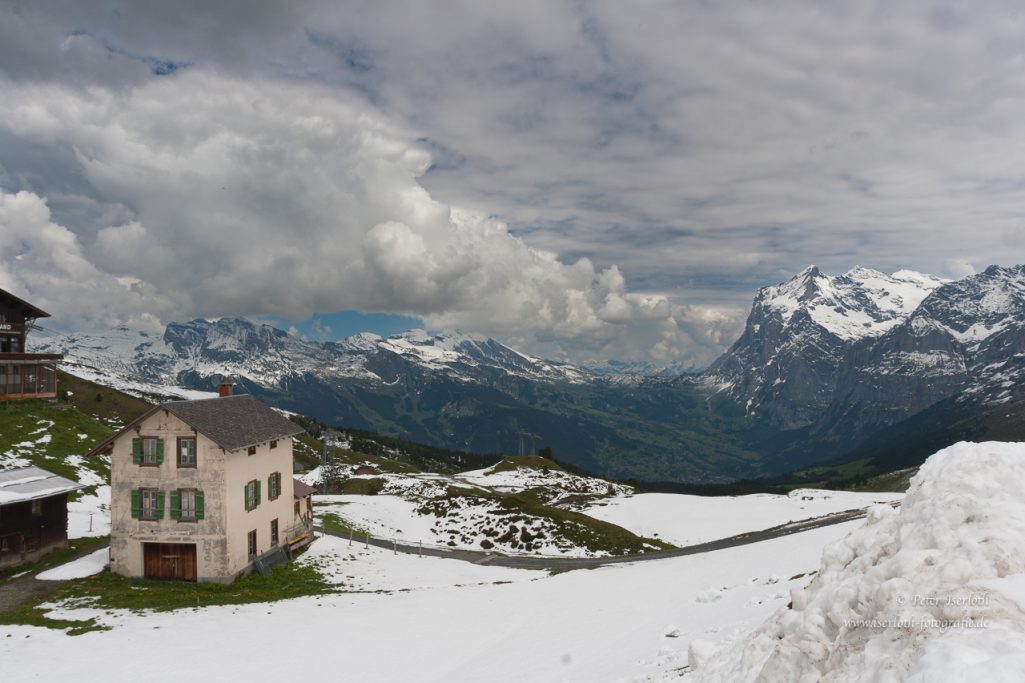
825, 365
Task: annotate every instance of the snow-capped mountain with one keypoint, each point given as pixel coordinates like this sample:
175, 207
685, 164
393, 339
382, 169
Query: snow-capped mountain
869, 350
784, 366
190, 353
966, 339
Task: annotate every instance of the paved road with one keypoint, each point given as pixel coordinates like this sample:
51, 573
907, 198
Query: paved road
545, 562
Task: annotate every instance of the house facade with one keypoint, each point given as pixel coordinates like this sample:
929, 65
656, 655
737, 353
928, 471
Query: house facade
23, 375
33, 514
201, 489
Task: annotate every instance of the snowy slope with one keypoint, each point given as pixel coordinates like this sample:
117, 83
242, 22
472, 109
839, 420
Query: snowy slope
444, 620
686, 520
934, 591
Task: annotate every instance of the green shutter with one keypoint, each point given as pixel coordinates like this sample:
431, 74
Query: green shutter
160, 451
137, 451
176, 508
199, 505
270, 487
245, 493
257, 502
136, 503
159, 512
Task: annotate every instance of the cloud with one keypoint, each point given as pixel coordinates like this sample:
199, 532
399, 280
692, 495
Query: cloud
515, 150
267, 197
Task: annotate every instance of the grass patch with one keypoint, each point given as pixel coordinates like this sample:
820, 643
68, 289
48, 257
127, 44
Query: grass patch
334, 522
110, 406
379, 462
112, 591
45, 434
359, 487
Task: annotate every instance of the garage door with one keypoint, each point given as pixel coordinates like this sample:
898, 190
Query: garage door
170, 561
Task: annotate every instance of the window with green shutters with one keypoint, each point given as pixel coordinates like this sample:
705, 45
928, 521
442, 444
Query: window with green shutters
148, 450
252, 494
147, 504
274, 486
186, 505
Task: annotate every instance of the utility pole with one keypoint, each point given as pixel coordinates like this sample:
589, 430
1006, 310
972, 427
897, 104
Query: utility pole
325, 468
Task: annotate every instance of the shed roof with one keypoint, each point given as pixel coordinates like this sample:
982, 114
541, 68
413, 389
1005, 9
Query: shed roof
31, 483
301, 489
232, 422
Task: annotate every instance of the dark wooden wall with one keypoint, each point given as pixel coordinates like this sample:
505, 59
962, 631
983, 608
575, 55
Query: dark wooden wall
21, 531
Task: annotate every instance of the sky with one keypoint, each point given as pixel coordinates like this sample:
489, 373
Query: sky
582, 180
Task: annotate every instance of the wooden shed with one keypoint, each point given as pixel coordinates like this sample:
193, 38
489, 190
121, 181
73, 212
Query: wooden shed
33, 514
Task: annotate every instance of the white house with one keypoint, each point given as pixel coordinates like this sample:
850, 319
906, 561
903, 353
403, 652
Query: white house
201, 489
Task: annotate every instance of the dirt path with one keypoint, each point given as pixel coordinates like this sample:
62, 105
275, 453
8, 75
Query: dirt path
14, 592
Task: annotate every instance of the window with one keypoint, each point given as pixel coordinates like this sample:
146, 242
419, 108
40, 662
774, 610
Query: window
148, 450
252, 543
186, 451
37, 507
187, 505
252, 494
147, 504
274, 443
274, 486
274, 532
251, 450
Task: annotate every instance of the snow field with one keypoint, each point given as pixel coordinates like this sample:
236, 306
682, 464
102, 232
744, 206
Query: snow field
686, 520
456, 621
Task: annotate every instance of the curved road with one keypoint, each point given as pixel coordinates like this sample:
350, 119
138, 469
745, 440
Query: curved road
546, 562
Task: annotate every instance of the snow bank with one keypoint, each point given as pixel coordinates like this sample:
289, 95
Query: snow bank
90, 564
935, 591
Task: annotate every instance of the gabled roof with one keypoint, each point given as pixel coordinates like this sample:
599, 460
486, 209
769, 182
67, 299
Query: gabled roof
231, 422
31, 483
30, 311
301, 489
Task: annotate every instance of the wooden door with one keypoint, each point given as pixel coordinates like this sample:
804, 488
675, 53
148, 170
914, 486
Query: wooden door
170, 561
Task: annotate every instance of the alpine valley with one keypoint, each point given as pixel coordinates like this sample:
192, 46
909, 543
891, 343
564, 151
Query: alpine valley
834, 378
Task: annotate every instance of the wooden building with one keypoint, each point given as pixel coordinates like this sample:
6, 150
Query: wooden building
23, 375
33, 514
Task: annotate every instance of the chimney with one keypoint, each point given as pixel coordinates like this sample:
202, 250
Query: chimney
225, 389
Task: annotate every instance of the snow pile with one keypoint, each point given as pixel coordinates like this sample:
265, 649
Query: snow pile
90, 564
935, 591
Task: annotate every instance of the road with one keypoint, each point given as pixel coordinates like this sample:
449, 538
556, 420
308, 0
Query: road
564, 563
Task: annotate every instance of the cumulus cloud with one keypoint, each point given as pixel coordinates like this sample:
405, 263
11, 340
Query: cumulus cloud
272, 198
599, 178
